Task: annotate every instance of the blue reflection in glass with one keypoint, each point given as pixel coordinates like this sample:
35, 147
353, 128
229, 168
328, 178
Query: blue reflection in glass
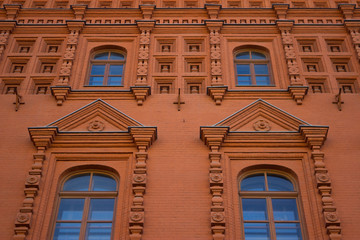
244, 80
77, 183
256, 231
243, 55
253, 183
97, 69
98, 231
254, 209
71, 209
67, 231
261, 69
256, 55
279, 183
116, 56
114, 81
101, 209
285, 209
102, 56
243, 68
116, 69
288, 231
262, 80
96, 81
103, 183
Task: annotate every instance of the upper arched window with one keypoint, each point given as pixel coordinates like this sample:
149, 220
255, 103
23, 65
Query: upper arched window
269, 207
252, 68
107, 69
86, 207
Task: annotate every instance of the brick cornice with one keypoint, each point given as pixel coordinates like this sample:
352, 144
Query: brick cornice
213, 136
43, 136
315, 136
143, 136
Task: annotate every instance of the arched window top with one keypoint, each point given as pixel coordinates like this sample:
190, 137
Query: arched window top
90, 182
107, 68
247, 55
266, 182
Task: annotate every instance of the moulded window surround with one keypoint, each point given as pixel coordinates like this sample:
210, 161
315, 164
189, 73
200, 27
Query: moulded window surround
269, 207
106, 68
252, 68
86, 207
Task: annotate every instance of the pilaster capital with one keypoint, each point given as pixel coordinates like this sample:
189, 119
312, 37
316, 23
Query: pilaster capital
347, 10
213, 10
12, 10
315, 136
147, 10
214, 25
7, 25
43, 136
213, 136
280, 10
143, 136
79, 11
75, 25
145, 25
284, 24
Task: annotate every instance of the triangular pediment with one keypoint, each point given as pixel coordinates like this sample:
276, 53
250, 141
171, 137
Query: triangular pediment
97, 116
261, 116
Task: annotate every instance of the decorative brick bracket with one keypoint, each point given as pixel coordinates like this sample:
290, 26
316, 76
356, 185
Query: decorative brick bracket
298, 93
140, 93
213, 138
60, 93
147, 10
217, 93
79, 11
12, 10
280, 10
347, 10
213, 10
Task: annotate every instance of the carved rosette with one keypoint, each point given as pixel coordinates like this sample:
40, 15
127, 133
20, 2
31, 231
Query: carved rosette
96, 126
262, 125
42, 139
315, 138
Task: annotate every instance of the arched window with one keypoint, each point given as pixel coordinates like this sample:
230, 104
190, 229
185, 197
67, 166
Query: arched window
86, 207
107, 69
269, 207
252, 68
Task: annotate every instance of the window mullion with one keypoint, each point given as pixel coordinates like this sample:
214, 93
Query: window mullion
84, 219
271, 219
106, 74
252, 74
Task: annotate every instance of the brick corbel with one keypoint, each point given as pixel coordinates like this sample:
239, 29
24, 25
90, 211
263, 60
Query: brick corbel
298, 93
217, 93
60, 93
145, 25
12, 10
79, 11
143, 137
140, 93
43, 136
213, 138
147, 10
347, 10
75, 25
280, 10
213, 10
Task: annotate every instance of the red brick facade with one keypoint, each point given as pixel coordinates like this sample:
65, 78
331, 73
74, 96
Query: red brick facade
178, 102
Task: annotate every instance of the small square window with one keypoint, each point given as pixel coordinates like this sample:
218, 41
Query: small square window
11, 90
335, 48
164, 89
194, 48
194, 68
312, 68
52, 49
17, 68
347, 88
24, 49
47, 68
317, 88
41, 89
341, 68
166, 48
307, 48
165, 67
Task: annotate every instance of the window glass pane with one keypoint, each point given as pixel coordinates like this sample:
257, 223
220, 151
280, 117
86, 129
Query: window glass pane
262, 80
71, 209
116, 56
288, 231
243, 55
244, 80
261, 69
103, 183
97, 69
253, 183
243, 68
102, 56
98, 231
96, 81
279, 183
116, 69
67, 231
285, 209
254, 209
77, 183
256, 55
101, 209
256, 231
114, 81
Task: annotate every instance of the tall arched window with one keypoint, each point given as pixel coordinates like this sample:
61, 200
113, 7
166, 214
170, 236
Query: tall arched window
269, 207
86, 207
107, 69
252, 68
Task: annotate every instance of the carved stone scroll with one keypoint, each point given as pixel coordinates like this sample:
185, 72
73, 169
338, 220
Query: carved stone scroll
213, 138
42, 139
143, 138
315, 137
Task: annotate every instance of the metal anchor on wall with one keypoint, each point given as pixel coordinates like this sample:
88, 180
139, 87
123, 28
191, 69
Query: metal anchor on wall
338, 100
18, 100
